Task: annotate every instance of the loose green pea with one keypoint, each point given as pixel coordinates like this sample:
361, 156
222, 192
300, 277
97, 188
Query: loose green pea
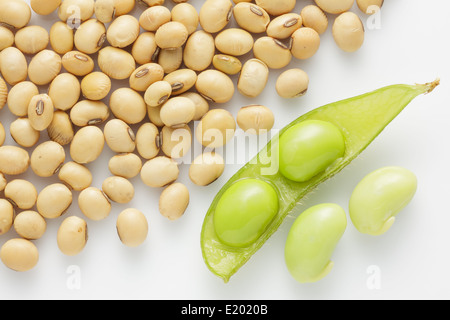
244, 212
312, 240
379, 197
308, 148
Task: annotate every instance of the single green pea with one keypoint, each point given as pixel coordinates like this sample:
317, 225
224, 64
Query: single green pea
311, 241
244, 212
308, 148
379, 197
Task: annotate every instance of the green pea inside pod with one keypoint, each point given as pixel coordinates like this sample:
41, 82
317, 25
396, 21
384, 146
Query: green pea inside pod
379, 197
309, 148
244, 211
311, 241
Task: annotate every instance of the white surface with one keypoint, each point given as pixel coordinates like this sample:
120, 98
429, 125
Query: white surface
411, 260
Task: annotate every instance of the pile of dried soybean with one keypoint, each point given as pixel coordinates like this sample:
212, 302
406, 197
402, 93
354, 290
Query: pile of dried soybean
180, 64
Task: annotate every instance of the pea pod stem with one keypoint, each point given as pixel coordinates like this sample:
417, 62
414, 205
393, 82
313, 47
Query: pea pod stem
361, 119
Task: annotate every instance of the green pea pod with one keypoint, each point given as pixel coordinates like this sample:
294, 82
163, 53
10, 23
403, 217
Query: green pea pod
360, 119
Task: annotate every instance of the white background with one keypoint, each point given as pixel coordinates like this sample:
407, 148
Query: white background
411, 260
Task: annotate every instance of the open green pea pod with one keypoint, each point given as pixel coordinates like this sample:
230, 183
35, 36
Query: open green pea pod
237, 224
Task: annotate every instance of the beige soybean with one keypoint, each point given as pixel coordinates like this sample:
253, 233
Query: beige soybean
19, 97
40, 111
201, 104
255, 119
276, 7
44, 67
199, 50
181, 80
15, 13
32, 39
144, 49
292, 83
152, 3
3, 182
6, 38
77, 63
274, 53
313, 17
19, 254
23, 133
30, 225
3, 93
145, 75
234, 41
61, 129
76, 176
215, 86
251, 17
95, 86
154, 17
335, 7
348, 32
148, 140
21, 193
177, 111
282, 27
118, 189
94, 204
45, 7
76, 11
116, 63
214, 15
87, 144
154, 115
126, 165
72, 235
89, 112
54, 200
176, 142
304, 43
64, 90
187, 15
123, 31
6, 216
206, 168
173, 201
119, 136
13, 160
132, 227
123, 6
227, 64
61, 37
90, 36
253, 78
128, 105
171, 35
216, 128
13, 65
47, 158
170, 59
158, 93
159, 171
2, 134
104, 10
369, 6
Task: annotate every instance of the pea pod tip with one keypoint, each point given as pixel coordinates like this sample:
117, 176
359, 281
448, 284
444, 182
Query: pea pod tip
432, 85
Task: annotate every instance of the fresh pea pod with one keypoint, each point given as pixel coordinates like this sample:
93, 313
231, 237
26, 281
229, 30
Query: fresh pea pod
359, 119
